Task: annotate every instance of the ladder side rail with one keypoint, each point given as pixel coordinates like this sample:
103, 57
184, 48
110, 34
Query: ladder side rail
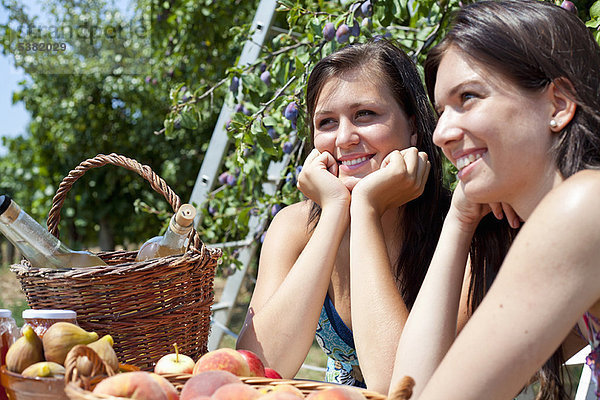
223, 310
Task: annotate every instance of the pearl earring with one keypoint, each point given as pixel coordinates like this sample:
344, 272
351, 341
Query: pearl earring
553, 123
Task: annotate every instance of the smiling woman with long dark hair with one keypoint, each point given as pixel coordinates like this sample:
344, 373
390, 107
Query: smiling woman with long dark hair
516, 87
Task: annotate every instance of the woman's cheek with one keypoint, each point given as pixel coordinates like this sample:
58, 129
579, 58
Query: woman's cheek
322, 143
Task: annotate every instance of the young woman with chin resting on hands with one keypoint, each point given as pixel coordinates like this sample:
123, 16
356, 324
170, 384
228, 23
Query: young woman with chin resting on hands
516, 86
346, 264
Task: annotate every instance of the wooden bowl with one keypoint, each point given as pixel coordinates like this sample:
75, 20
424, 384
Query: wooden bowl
19, 387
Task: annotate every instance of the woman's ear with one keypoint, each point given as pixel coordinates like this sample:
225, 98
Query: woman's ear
562, 95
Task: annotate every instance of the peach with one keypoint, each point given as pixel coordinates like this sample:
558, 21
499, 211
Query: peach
287, 388
224, 359
257, 368
235, 391
206, 383
134, 385
337, 393
166, 386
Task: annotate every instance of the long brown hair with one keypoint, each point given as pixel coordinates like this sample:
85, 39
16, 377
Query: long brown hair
420, 224
532, 44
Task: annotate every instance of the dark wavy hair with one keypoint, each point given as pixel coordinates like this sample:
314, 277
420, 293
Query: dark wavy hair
420, 224
532, 44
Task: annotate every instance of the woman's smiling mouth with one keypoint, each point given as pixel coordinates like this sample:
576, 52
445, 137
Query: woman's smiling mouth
351, 162
465, 161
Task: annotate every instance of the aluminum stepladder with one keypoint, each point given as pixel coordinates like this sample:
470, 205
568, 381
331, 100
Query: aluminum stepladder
211, 165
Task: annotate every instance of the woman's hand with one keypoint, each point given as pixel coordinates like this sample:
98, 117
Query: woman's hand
319, 181
400, 179
469, 214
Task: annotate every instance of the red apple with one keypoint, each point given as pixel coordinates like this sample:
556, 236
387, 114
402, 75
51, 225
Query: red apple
257, 368
272, 374
174, 363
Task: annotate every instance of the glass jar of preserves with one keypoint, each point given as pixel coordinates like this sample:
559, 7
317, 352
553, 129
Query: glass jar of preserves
41, 320
8, 335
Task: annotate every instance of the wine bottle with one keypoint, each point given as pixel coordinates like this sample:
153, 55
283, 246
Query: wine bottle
173, 242
36, 244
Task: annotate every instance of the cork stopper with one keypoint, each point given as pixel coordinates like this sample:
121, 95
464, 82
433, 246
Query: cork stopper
9, 210
185, 215
184, 219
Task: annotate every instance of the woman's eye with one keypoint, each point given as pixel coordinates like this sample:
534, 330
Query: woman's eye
467, 96
364, 113
324, 122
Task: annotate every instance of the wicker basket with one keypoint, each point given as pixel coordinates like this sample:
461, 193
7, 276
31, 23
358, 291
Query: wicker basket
145, 306
77, 391
80, 388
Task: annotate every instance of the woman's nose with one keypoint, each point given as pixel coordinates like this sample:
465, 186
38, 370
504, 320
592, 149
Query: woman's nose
446, 130
347, 134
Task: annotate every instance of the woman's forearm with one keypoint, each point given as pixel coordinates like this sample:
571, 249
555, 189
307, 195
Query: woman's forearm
378, 311
431, 326
282, 328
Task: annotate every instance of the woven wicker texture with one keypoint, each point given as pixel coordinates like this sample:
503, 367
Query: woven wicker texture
99, 369
145, 306
76, 392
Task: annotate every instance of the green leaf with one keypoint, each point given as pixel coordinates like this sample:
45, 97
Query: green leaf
300, 68
269, 121
595, 10
188, 120
593, 23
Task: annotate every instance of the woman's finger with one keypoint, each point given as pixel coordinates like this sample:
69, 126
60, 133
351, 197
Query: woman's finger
411, 160
424, 167
513, 219
497, 210
330, 162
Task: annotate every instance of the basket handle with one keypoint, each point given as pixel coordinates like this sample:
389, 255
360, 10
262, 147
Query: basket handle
157, 183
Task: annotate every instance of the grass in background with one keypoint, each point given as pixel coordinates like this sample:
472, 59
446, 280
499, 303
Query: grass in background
11, 295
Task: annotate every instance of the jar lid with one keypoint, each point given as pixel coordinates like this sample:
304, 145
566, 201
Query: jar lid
4, 313
49, 314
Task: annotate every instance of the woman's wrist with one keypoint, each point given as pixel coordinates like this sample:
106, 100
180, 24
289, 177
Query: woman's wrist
362, 205
455, 221
338, 210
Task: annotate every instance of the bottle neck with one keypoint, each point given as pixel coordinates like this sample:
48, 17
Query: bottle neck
175, 235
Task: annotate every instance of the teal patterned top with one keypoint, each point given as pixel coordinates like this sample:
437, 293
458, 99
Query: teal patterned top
336, 340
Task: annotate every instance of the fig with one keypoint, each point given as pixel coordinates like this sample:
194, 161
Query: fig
44, 369
27, 350
61, 337
104, 348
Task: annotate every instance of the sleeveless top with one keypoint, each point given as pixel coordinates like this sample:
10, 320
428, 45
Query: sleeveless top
336, 340
592, 335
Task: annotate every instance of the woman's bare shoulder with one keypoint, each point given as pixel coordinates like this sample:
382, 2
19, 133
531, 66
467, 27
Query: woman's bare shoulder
578, 194
291, 222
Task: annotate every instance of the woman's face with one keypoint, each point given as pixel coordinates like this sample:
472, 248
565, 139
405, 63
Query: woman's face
496, 134
359, 122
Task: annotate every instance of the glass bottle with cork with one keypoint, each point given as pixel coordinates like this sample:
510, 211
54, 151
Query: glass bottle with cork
36, 244
173, 242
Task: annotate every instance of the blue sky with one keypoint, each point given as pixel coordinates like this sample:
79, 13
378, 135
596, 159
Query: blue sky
14, 117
